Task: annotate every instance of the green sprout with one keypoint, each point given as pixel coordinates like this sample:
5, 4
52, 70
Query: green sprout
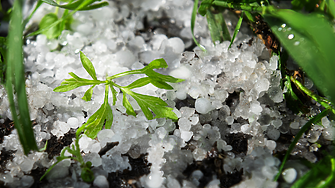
104, 115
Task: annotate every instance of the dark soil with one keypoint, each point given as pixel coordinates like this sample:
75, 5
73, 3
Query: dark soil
55, 145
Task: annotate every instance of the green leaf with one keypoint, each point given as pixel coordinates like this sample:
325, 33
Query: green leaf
87, 64
125, 103
300, 4
114, 94
297, 137
217, 27
75, 82
88, 94
75, 5
194, 15
46, 21
160, 84
87, 175
66, 87
156, 64
81, 4
237, 29
139, 83
331, 7
15, 81
104, 114
320, 176
160, 77
155, 104
204, 6
310, 40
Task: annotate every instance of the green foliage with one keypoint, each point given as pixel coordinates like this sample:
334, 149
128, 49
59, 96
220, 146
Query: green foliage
300, 35
89, 4
54, 31
86, 173
148, 104
322, 175
104, 115
15, 81
309, 5
52, 26
217, 26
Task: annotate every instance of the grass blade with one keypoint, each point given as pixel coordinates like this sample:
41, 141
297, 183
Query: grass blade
331, 7
15, 81
297, 137
237, 29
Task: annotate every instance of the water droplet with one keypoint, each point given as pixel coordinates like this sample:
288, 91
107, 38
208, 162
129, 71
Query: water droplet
279, 29
296, 43
289, 29
283, 25
290, 36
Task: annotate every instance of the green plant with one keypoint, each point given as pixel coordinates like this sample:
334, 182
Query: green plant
309, 39
104, 116
15, 79
11, 60
51, 25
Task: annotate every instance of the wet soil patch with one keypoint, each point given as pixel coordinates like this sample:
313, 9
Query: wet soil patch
5, 129
55, 145
130, 178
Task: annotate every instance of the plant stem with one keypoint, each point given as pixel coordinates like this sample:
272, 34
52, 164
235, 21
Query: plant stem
237, 6
324, 102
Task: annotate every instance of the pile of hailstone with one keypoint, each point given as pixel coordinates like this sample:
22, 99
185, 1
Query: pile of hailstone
115, 40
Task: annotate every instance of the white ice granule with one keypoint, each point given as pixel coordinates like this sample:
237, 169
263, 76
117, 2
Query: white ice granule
73, 122
222, 145
27, 181
101, 182
186, 135
172, 182
104, 136
199, 154
203, 105
295, 125
289, 175
273, 134
61, 170
125, 58
26, 165
184, 124
196, 176
187, 112
177, 44
255, 108
262, 85
329, 133
182, 72
273, 62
